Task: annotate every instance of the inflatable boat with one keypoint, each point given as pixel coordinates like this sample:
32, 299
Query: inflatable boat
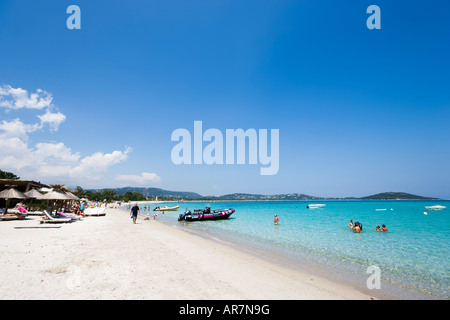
166, 208
315, 206
207, 214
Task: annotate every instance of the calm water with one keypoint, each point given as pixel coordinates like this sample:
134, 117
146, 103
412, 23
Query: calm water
413, 256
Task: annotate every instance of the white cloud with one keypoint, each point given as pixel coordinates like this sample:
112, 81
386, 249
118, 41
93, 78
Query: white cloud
54, 119
17, 128
52, 161
141, 180
18, 98
49, 161
90, 166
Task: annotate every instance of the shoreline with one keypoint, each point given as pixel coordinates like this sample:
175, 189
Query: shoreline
280, 200
110, 258
331, 268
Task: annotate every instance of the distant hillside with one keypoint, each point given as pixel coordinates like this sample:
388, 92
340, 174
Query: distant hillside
246, 196
166, 194
156, 192
395, 196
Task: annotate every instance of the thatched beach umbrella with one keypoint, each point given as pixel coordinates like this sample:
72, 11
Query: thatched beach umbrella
9, 194
71, 196
32, 194
54, 196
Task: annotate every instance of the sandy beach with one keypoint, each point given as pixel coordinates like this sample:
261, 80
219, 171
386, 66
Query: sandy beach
111, 258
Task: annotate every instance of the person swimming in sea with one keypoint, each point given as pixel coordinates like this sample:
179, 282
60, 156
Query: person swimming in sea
358, 227
276, 219
351, 224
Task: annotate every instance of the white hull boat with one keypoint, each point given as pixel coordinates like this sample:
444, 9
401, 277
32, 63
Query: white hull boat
437, 207
315, 206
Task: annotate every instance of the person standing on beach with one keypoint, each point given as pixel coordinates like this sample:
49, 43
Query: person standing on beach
82, 208
276, 219
134, 212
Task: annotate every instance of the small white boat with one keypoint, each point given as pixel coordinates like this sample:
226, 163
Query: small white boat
436, 207
166, 208
315, 206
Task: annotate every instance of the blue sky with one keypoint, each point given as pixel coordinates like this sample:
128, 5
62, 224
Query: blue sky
359, 111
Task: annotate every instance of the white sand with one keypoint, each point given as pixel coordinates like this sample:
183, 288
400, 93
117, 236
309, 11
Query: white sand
111, 258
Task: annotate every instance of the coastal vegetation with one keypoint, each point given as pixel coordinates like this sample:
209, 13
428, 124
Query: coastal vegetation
142, 194
145, 194
8, 175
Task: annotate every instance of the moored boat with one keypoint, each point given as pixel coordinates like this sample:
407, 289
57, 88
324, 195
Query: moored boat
315, 206
207, 214
166, 208
436, 207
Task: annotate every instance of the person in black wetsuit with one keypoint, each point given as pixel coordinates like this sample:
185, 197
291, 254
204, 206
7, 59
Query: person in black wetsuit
358, 227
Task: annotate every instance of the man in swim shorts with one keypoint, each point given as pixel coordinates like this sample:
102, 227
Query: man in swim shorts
134, 212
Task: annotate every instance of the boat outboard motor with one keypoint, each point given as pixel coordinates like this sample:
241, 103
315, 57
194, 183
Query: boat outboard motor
182, 215
207, 210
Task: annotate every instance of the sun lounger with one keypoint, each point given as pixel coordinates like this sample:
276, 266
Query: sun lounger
12, 216
49, 219
15, 211
35, 213
9, 217
95, 212
68, 215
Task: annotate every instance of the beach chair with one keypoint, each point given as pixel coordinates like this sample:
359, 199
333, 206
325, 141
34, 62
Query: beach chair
95, 212
35, 213
49, 219
9, 217
70, 216
12, 215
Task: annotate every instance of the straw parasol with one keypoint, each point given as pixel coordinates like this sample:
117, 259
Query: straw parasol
55, 196
32, 194
71, 195
11, 193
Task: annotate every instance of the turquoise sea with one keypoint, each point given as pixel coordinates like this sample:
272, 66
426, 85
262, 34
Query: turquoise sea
413, 256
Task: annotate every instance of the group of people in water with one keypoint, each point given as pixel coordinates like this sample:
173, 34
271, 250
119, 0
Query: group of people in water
357, 227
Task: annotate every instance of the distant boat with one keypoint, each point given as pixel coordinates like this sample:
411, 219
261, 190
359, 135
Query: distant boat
315, 206
166, 208
436, 207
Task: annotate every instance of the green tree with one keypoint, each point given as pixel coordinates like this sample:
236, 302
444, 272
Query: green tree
80, 192
109, 195
133, 196
8, 175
